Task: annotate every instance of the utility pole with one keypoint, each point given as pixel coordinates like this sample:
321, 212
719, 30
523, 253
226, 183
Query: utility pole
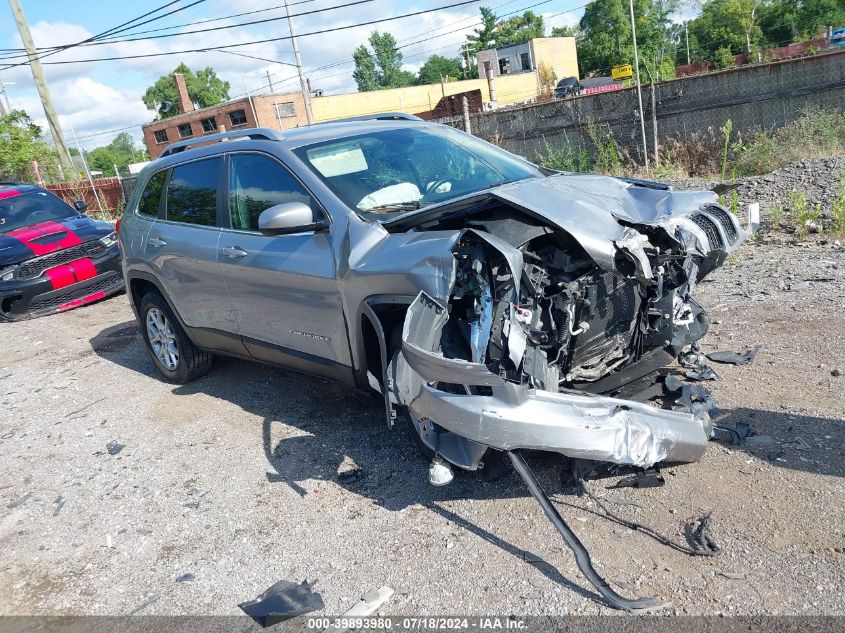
269, 82
41, 85
306, 97
639, 86
686, 36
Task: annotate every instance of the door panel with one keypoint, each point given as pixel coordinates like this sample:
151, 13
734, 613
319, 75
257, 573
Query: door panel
283, 288
182, 247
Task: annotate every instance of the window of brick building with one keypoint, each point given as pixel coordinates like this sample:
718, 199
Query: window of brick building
284, 110
209, 125
185, 130
161, 136
238, 117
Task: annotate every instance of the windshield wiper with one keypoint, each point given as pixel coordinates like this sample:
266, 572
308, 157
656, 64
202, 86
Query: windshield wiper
398, 206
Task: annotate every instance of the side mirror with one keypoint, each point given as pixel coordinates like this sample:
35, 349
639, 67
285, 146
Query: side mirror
288, 218
80, 205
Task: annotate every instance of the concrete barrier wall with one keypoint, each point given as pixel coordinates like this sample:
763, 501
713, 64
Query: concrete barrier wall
763, 96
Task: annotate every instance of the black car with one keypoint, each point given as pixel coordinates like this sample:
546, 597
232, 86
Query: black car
567, 87
52, 257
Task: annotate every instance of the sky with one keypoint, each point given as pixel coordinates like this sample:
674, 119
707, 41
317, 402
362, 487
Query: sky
98, 100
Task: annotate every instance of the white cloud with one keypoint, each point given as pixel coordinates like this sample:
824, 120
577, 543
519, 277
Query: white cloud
103, 96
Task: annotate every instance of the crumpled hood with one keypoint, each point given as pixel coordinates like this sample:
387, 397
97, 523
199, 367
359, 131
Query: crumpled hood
589, 207
43, 238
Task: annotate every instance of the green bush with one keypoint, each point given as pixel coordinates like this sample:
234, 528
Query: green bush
723, 58
817, 132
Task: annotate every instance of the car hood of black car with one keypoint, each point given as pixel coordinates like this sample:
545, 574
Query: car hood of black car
15, 249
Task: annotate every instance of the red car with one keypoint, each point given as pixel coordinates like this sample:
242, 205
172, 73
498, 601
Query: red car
52, 257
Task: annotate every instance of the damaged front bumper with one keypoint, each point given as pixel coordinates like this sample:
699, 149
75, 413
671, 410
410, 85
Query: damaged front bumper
493, 412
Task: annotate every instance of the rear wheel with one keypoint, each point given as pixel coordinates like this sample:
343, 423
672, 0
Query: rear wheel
175, 356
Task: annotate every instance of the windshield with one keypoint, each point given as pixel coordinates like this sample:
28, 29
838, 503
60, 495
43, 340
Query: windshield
390, 171
18, 210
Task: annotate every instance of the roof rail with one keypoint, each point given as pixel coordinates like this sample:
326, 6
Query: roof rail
381, 116
256, 133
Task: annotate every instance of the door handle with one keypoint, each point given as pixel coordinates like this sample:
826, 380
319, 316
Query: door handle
233, 251
156, 242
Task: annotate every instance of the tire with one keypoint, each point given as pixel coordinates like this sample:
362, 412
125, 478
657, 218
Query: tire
173, 353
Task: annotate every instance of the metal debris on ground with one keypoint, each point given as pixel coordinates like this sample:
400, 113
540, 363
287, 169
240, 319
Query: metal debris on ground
646, 479
114, 447
20, 501
153, 598
734, 358
282, 601
367, 605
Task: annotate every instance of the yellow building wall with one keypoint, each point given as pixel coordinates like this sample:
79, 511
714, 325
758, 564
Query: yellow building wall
558, 52
416, 99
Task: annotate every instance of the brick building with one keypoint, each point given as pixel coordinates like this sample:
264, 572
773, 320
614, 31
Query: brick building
278, 111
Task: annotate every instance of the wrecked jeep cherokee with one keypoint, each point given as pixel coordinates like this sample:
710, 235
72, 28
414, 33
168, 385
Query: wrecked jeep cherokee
496, 304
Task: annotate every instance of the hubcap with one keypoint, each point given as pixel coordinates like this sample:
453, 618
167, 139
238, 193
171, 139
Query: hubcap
162, 339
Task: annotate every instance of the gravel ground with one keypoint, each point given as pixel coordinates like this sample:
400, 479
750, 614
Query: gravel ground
818, 178
234, 479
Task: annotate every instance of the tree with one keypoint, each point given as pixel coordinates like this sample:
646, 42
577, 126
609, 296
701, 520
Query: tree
605, 37
382, 67
22, 142
485, 37
205, 89
121, 152
566, 31
365, 69
728, 24
437, 67
519, 28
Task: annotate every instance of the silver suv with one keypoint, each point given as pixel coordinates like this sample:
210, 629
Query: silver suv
494, 304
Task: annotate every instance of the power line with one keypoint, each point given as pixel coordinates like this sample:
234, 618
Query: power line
226, 26
114, 30
271, 39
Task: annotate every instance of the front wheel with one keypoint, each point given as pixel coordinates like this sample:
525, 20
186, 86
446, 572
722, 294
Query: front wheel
173, 353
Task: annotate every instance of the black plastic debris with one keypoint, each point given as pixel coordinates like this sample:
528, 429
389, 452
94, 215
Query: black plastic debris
696, 399
734, 358
735, 435
672, 384
645, 479
114, 447
282, 601
702, 373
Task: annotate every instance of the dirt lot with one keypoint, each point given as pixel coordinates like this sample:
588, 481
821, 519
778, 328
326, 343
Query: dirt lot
234, 479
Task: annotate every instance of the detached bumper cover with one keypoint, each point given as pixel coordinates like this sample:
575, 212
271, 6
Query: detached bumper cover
575, 424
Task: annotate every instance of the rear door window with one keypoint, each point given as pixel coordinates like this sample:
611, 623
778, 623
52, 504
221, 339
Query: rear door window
151, 197
192, 193
257, 183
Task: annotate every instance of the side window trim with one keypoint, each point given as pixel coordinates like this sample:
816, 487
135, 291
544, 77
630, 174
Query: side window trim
162, 214
227, 212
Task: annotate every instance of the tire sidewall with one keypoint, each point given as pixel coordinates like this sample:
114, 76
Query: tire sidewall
153, 300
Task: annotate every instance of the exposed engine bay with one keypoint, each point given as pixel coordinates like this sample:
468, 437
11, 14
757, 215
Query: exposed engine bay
542, 317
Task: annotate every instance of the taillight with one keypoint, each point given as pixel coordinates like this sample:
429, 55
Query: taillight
117, 227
